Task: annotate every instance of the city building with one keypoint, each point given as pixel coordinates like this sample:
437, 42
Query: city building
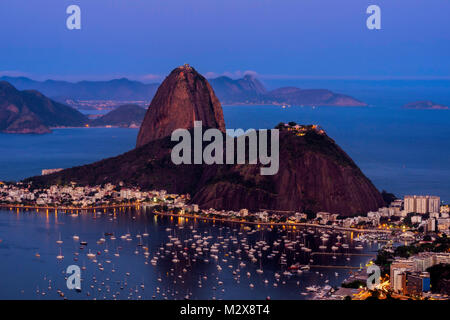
443, 224
434, 204
421, 204
417, 283
401, 265
431, 225
398, 280
45, 172
243, 212
416, 219
414, 268
410, 204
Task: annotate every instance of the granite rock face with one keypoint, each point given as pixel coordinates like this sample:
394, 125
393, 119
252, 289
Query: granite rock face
184, 96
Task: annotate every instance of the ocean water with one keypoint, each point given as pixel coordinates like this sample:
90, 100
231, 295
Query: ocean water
401, 151
108, 276
23, 156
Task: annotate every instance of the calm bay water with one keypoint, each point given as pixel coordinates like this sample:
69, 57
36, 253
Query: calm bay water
26, 155
130, 275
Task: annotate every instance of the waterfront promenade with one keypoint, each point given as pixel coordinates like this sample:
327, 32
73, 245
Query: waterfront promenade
273, 224
68, 209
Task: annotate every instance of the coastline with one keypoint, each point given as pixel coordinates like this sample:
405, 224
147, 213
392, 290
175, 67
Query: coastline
272, 224
190, 216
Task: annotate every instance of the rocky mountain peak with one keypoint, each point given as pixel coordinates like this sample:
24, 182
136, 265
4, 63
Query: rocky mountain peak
184, 96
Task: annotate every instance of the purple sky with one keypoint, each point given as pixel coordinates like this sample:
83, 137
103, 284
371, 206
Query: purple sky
145, 39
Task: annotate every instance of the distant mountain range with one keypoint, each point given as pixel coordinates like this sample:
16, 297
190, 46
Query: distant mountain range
29, 111
118, 89
245, 90
248, 90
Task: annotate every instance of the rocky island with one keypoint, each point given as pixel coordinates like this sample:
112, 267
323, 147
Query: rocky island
425, 105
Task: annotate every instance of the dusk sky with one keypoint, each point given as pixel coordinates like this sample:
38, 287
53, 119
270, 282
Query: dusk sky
285, 39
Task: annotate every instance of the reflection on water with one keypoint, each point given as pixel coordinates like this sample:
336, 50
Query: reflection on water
138, 255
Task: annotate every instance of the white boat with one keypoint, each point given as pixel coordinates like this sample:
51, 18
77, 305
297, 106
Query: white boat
305, 267
312, 288
60, 256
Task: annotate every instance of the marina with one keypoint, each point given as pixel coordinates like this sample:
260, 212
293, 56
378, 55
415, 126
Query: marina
141, 255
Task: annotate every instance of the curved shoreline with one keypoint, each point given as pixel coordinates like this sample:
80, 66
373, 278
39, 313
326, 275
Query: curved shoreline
271, 224
18, 206
190, 216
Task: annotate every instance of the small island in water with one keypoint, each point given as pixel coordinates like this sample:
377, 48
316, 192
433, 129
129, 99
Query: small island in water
425, 105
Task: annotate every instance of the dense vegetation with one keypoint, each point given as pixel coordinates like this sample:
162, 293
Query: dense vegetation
441, 244
354, 284
440, 278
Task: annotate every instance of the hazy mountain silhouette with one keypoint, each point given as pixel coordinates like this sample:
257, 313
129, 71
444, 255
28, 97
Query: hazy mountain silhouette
29, 111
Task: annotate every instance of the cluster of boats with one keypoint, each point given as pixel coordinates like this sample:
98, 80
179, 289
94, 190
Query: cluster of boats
199, 262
